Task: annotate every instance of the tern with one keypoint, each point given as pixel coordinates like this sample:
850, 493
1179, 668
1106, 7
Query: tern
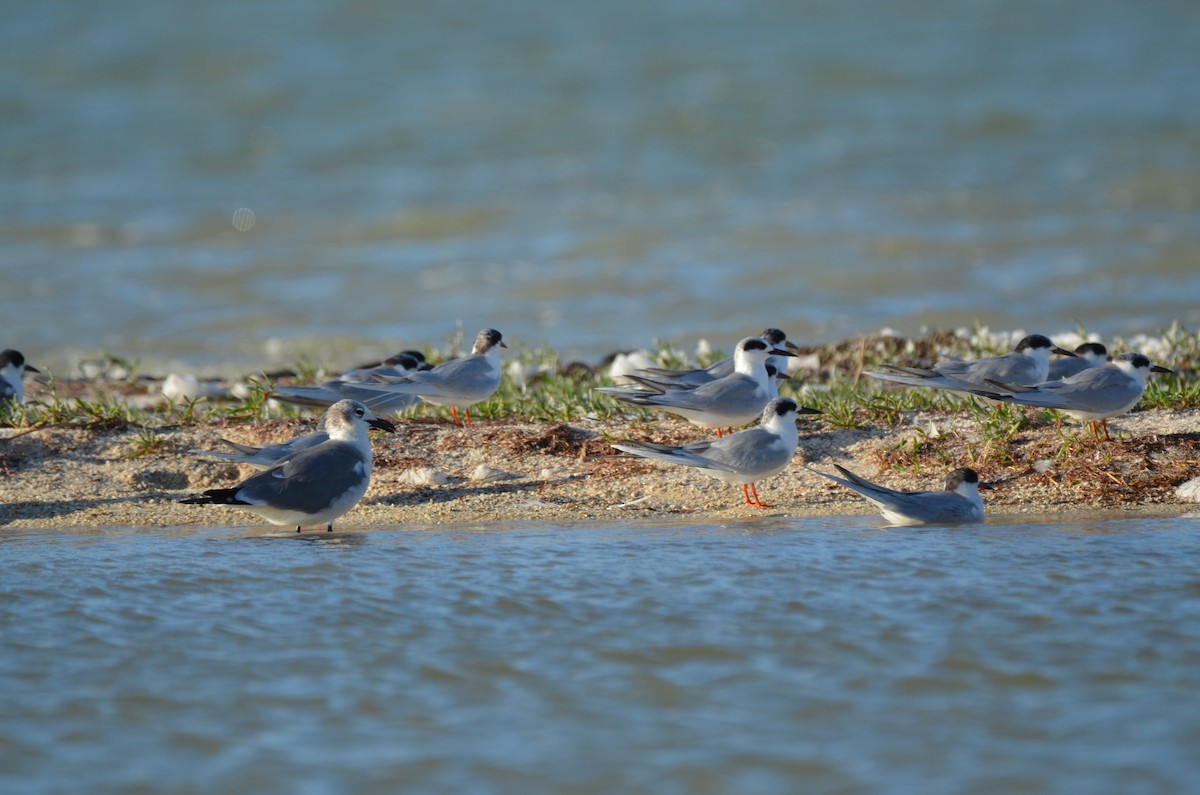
743, 458
12, 368
958, 502
734, 400
1028, 363
722, 368
458, 383
1092, 396
352, 385
1089, 354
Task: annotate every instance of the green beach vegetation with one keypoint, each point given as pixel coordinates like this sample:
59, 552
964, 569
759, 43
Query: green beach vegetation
540, 387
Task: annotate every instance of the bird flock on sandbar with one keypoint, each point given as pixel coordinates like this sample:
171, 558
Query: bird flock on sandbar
313, 479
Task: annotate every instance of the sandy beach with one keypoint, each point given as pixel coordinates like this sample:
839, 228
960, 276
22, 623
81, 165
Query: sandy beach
432, 472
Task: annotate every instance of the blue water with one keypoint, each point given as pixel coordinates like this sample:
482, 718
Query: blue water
224, 183
1028, 654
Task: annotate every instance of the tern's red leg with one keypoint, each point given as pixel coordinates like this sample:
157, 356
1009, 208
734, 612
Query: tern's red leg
757, 502
468, 413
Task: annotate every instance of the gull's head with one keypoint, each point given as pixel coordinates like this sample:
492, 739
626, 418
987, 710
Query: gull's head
1040, 347
488, 339
1093, 354
345, 417
1138, 366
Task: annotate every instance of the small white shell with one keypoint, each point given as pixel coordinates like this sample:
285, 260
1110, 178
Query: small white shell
424, 476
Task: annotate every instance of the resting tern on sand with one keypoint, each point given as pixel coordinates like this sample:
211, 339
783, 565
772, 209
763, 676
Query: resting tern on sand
458, 383
772, 336
1028, 363
745, 457
1087, 355
12, 368
1091, 396
317, 484
733, 400
959, 502
352, 385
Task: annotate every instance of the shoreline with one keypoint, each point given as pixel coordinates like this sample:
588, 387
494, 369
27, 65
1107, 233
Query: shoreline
503, 471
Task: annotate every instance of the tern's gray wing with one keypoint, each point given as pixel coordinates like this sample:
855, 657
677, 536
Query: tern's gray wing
308, 482
1067, 366
691, 455
918, 376
374, 397
468, 377
672, 455
747, 452
922, 506
752, 451
872, 491
1014, 368
933, 507
691, 377
1096, 390
725, 395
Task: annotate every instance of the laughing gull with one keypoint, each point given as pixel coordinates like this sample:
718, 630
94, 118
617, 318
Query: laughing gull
959, 502
733, 400
458, 383
772, 336
1091, 396
12, 367
317, 484
745, 457
1028, 363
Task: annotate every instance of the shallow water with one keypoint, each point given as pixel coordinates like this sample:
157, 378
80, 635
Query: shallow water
239, 184
800, 655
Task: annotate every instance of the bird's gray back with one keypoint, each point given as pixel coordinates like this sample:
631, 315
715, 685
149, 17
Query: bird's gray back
751, 450
311, 479
1013, 368
1097, 389
931, 506
469, 374
732, 393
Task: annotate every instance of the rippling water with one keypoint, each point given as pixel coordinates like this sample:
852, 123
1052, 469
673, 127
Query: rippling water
806, 655
190, 183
